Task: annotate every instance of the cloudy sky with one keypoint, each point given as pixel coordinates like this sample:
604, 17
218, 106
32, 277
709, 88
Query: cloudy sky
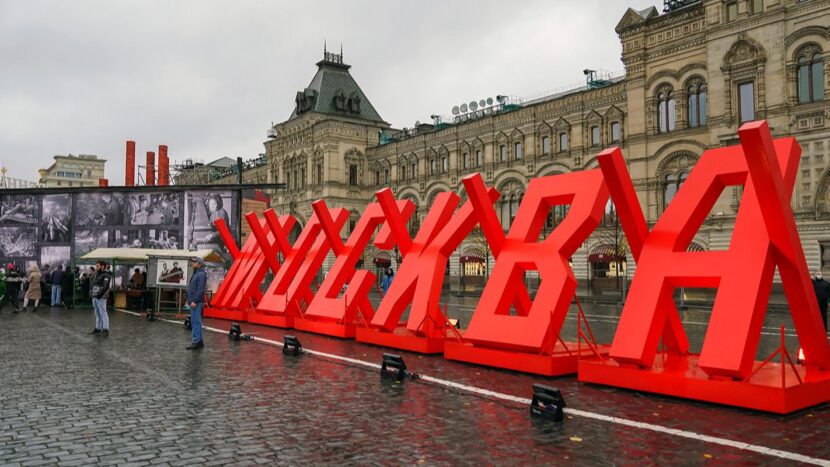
207, 78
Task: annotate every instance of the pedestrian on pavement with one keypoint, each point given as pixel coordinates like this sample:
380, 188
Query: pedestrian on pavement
91, 276
68, 287
56, 279
2, 287
33, 292
100, 292
386, 281
13, 283
196, 301
822, 289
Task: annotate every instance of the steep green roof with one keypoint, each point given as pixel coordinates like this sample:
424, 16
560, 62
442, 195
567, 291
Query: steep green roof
333, 91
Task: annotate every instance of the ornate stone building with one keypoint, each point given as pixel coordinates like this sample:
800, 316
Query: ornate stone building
693, 74
69, 171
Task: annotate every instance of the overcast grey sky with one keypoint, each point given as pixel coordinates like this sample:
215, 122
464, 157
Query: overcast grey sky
207, 78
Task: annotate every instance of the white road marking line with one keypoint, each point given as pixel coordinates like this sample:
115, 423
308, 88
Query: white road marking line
792, 456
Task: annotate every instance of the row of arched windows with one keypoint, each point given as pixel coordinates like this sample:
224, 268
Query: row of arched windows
809, 78
697, 106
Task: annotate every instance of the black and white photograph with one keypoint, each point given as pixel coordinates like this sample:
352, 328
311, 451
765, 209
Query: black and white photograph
18, 242
87, 240
129, 238
171, 272
55, 219
152, 208
163, 239
19, 209
54, 255
202, 208
122, 275
93, 209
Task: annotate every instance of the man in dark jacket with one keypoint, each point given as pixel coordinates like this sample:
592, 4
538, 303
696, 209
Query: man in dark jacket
68, 287
196, 301
13, 283
100, 292
822, 289
56, 279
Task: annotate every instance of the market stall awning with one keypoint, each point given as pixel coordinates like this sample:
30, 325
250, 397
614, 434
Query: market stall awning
605, 254
382, 259
472, 258
141, 255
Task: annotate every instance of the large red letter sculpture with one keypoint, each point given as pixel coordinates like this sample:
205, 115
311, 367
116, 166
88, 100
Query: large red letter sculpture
239, 291
764, 237
290, 291
421, 276
329, 313
530, 341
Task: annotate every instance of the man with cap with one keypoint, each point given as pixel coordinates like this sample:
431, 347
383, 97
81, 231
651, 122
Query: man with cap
196, 300
13, 283
822, 289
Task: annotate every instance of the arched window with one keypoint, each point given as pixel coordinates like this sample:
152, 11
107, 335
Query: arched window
810, 77
616, 132
609, 218
595, 138
515, 201
512, 193
666, 106
563, 142
698, 103
505, 214
669, 189
671, 184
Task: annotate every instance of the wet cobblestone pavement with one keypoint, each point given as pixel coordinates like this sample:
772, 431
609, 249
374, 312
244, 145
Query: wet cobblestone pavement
139, 398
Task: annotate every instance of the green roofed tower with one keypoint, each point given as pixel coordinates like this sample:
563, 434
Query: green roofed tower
334, 91
320, 151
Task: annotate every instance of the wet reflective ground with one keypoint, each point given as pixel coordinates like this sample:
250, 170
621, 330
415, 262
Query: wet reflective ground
138, 397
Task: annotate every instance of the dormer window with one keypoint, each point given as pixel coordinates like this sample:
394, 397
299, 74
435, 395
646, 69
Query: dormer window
305, 100
354, 104
340, 101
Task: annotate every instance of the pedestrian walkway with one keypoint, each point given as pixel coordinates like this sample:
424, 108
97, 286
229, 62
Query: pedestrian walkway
138, 397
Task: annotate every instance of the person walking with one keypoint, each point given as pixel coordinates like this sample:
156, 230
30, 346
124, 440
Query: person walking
33, 292
68, 287
13, 283
45, 283
196, 301
56, 279
3, 291
386, 280
822, 289
100, 292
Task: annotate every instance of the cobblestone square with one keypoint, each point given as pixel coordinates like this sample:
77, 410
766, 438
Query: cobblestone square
139, 398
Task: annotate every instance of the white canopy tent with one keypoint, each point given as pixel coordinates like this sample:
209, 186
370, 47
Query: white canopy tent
142, 255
